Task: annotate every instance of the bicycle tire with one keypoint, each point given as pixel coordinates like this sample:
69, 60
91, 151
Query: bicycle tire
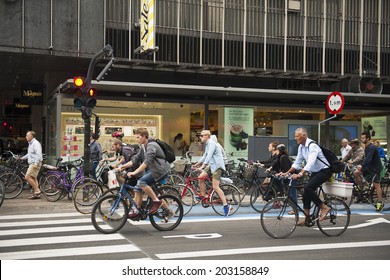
2, 192
245, 190
175, 179
275, 221
52, 187
86, 196
259, 197
232, 195
186, 196
13, 184
338, 218
160, 220
109, 214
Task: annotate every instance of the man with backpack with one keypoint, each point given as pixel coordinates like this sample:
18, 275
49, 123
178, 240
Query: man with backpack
154, 164
317, 165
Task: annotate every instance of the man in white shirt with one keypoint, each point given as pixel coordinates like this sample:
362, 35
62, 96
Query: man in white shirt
34, 159
317, 166
345, 148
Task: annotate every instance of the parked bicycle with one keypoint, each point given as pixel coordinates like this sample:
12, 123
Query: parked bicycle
63, 180
110, 212
278, 222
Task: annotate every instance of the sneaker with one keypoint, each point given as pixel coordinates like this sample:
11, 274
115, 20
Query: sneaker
379, 206
155, 206
227, 209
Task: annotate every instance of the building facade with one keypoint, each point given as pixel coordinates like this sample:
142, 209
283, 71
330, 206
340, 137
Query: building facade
278, 57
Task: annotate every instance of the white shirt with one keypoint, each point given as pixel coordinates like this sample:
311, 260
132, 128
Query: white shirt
344, 150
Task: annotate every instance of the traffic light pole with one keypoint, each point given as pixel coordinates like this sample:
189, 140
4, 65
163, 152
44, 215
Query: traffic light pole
86, 112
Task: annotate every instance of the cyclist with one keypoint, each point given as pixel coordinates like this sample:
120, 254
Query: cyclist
153, 163
372, 166
213, 156
316, 162
354, 157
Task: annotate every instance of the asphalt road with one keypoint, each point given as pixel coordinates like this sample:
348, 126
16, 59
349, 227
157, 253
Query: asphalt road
46, 230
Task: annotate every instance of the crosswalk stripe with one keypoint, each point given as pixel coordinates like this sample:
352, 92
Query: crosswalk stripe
45, 222
60, 239
41, 216
46, 230
37, 254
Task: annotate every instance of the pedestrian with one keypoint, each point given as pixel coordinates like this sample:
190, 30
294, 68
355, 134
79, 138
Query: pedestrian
34, 159
318, 167
345, 147
212, 161
96, 153
179, 145
371, 166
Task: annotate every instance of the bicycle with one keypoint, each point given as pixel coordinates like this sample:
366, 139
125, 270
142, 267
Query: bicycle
2, 192
278, 223
189, 190
86, 195
63, 180
110, 213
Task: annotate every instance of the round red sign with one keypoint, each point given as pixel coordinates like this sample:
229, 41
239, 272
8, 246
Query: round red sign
335, 102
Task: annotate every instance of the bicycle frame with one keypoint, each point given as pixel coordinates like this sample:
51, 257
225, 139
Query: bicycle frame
188, 185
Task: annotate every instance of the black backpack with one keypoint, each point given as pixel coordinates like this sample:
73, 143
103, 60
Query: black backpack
335, 164
168, 151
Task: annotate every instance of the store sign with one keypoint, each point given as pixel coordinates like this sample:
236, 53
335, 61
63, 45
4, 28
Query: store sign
18, 108
32, 94
376, 126
147, 26
238, 123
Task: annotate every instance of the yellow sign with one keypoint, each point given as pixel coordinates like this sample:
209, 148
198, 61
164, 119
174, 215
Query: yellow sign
147, 26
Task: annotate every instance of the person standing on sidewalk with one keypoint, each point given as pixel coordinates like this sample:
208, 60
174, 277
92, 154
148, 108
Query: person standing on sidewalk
34, 159
213, 156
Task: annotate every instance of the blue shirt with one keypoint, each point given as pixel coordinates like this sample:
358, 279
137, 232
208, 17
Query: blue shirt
34, 152
213, 156
310, 155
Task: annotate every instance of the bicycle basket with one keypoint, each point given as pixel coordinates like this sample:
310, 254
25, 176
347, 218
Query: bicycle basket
249, 172
179, 165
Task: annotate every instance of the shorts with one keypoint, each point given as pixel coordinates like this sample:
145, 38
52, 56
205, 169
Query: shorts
148, 180
373, 174
217, 174
33, 169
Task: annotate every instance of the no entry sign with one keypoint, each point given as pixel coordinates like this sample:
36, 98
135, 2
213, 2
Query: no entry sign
335, 102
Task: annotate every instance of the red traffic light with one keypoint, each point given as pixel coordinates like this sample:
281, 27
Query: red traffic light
78, 81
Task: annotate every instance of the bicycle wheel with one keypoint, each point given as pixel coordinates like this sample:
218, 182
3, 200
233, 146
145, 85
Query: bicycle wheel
259, 197
169, 215
232, 195
86, 196
186, 196
109, 214
275, 220
175, 179
52, 187
245, 190
13, 184
2, 192
338, 218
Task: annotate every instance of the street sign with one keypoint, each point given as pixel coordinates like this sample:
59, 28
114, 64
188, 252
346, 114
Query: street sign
335, 102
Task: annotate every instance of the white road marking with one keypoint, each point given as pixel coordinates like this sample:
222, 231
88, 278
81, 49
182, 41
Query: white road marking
273, 249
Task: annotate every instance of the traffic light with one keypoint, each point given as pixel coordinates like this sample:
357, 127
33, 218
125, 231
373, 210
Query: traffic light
97, 127
91, 100
79, 89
